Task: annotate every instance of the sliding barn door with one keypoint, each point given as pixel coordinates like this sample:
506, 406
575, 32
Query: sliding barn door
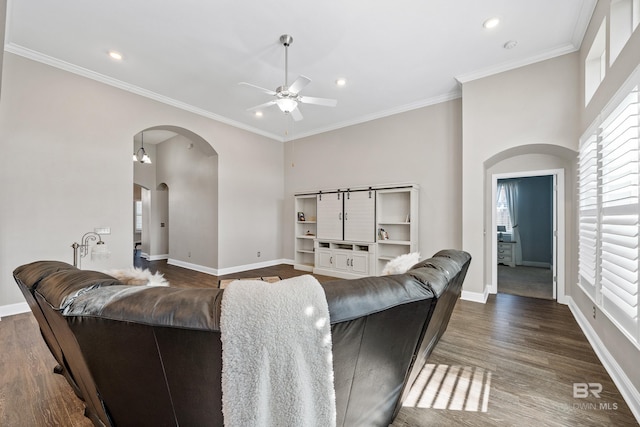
360, 216
329, 215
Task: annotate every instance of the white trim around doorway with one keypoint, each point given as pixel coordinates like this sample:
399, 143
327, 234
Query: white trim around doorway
558, 225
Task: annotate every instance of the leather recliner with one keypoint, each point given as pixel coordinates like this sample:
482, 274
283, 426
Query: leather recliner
64, 279
155, 355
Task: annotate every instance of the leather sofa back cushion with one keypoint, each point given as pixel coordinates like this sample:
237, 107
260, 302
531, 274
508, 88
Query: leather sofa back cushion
161, 306
31, 274
58, 286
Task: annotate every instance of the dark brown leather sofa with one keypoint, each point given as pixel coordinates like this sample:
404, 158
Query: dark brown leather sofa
152, 356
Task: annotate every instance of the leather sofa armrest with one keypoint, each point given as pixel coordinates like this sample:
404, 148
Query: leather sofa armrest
351, 299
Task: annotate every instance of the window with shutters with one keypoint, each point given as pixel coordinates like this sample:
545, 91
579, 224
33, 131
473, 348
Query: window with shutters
609, 211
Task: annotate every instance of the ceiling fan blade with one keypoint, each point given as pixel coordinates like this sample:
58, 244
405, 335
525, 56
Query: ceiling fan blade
267, 91
299, 84
296, 114
258, 107
319, 101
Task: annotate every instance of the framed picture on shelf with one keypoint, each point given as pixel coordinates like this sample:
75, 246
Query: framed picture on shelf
300, 216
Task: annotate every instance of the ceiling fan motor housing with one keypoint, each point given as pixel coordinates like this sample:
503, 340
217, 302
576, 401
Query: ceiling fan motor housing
286, 39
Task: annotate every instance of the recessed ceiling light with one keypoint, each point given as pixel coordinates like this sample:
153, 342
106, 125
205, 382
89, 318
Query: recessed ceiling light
510, 44
341, 82
491, 23
258, 113
115, 55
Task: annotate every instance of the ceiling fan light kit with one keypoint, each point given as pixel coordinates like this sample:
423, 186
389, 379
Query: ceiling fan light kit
288, 97
287, 105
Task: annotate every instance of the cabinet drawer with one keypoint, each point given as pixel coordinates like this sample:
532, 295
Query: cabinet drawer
506, 253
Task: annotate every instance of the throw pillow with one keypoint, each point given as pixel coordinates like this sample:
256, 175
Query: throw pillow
401, 264
138, 276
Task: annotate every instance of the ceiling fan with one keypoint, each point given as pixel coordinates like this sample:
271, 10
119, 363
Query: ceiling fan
288, 97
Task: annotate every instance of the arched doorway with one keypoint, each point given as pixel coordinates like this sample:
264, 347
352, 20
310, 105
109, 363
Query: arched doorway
182, 178
530, 161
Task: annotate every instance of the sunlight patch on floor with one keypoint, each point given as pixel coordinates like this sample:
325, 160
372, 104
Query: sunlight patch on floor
460, 388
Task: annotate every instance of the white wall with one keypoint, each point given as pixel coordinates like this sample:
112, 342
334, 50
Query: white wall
420, 146
192, 217
531, 106
3, 19
66, 168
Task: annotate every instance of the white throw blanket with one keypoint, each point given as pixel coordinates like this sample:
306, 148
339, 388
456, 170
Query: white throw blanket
277, 367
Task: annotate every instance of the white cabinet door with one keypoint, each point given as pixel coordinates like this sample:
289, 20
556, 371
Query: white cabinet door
325, 259
360, 216
329, 213
342, 260
360, 263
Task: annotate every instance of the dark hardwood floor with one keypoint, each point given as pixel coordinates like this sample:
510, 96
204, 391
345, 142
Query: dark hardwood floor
510, 362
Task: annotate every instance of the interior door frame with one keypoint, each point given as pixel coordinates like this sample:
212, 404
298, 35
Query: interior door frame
558, 232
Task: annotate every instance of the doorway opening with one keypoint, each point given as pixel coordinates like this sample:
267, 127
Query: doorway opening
178, 198
528, 242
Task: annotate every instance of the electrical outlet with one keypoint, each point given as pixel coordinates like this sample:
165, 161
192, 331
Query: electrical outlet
258, 254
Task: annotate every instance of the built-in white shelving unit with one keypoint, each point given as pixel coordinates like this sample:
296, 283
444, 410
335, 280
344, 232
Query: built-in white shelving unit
355, 232
396, 223
305, 231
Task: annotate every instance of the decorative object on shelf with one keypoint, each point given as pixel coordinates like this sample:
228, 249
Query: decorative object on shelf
401, 264
137, 276
382, 234
99, 251
309, 233
144, 157
300, 216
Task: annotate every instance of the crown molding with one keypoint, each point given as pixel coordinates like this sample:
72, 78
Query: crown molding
84, 72
512, 65
385, 113
582, 22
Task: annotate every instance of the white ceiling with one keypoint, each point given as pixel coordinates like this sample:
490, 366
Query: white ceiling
395, 55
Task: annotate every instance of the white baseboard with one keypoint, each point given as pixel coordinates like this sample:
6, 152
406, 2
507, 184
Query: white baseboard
156, 257
303, 267
536, 264
480, 297
630, 394
11, 309
334, 273
195, 267
227, 270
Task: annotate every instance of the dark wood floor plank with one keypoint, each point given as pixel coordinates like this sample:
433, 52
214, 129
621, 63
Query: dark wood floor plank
535, 352
30, 393
529, 351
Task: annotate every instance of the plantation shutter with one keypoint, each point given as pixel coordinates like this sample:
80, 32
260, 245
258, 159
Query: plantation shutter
619, 225
588, 214
609, 210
